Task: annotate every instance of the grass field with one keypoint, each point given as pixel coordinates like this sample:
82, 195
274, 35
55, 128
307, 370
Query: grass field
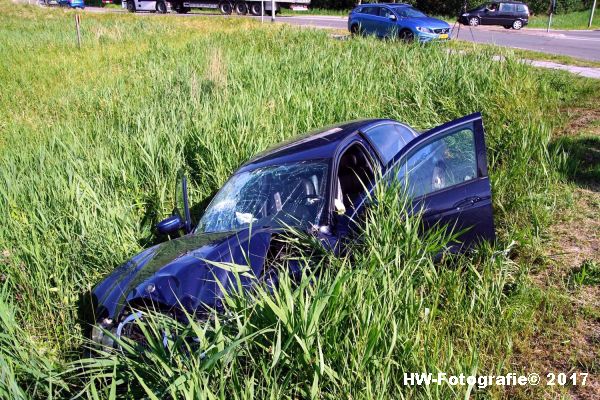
90, 143
572, 20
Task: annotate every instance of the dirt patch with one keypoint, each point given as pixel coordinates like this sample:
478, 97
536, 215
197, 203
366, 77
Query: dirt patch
581, 120
575, 237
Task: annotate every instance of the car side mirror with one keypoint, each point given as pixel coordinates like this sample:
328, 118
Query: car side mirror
393, 17
170, 225
182, 208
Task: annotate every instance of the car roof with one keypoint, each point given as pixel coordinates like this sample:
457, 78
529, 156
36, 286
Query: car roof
386, 4
316, 145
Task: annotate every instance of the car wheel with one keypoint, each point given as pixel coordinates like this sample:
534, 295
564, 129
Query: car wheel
241, 8
355, 29
474, 21
255, 9
518, 24
161, 7
130, 6
183, 10
406, 35
507, 26
225, 7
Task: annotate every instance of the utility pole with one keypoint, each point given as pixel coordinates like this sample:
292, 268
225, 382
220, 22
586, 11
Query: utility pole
592, 14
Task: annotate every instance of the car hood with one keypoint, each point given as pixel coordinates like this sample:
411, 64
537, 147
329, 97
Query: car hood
429, 22
180, 273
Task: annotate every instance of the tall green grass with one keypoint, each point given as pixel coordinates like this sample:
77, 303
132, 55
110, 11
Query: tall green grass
571, 20
91, 140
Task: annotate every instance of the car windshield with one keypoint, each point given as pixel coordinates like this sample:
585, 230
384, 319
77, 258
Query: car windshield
410, 12
290, 194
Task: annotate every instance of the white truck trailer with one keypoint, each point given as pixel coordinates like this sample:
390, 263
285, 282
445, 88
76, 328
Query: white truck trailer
241, 7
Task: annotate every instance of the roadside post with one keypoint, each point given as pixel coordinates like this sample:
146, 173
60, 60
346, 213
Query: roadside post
552, 8
262, 11
272, 10
77, 29
592, 14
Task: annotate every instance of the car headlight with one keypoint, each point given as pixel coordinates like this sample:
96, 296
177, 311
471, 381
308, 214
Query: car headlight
465, 15
424, 30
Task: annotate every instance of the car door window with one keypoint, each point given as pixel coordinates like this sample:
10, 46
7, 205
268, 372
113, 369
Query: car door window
522, 8
371, 10
388, 139
385, 12
442, 163
492, 7
507, 8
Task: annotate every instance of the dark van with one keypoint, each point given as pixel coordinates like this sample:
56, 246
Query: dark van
509, 14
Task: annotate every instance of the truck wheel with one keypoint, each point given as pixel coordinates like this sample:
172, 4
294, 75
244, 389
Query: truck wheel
161, 7
130, 6
255, 8
225, 7
241, 8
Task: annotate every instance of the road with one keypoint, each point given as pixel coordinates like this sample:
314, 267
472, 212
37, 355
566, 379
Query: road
578, 44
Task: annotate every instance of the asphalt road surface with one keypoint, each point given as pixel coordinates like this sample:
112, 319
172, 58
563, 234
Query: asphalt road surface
578, 44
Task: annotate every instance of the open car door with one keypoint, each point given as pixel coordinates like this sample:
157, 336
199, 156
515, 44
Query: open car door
444, 171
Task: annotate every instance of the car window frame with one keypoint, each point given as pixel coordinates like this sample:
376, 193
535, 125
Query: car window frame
356, 138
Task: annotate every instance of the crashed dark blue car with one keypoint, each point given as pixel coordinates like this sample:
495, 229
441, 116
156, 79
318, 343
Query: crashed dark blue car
317, 183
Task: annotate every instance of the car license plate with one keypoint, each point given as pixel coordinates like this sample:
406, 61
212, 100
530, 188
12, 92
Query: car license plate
443, 36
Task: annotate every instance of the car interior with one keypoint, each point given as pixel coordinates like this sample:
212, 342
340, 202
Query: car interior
355, 174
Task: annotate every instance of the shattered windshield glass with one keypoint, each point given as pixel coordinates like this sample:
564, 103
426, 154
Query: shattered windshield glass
290, 194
